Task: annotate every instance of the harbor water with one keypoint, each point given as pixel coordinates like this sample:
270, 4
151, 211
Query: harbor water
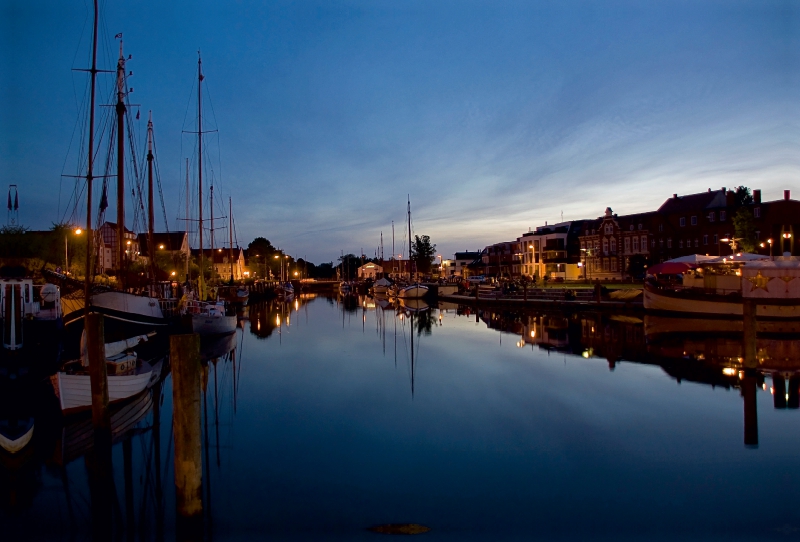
324, 417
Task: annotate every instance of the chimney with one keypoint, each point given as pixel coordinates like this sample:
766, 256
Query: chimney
723, 190
756, 196
675, 196
709, 190
786, 194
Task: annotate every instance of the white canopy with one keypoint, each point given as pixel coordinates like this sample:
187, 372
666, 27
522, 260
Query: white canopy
692, 258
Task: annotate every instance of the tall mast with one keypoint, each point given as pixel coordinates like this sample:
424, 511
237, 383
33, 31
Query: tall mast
90, 169
200, 167
151, 247
409, 239
120, 159
211, 205
230, 234
187, 218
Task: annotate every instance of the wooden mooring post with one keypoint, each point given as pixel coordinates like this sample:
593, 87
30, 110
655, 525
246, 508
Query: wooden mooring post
98, 459
185, 363
750, 364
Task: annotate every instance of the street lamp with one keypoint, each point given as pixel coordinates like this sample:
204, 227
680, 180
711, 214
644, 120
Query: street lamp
77, 231
762, 245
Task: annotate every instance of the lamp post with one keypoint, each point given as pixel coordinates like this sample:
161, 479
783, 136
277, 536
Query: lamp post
762, 245
77, 231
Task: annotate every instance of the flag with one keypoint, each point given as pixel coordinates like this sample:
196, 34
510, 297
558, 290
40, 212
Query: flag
9, 200
118, 36
137, 115
16, 201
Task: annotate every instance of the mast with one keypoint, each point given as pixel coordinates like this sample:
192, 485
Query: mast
211, 205
409, 239
230, 234
120, 159
90, 169
150, 214
187, 218
200, 168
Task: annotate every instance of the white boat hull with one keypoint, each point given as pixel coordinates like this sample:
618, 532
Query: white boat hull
415, 291
15, 445
213, 325
654, 301
75, 391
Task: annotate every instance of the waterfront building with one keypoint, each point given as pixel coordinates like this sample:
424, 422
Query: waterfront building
175, 244
220, 259
614, 247
107, 253
552, 251
370, 271
459, 265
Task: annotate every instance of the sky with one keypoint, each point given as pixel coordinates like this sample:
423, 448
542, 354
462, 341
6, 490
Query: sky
492, 116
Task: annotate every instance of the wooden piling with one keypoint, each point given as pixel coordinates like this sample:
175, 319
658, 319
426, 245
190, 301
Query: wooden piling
185, 362
96, 351
748, 391
749, 326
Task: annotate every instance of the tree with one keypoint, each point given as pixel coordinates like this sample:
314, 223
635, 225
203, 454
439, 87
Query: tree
423, 253
744, 229
742, 196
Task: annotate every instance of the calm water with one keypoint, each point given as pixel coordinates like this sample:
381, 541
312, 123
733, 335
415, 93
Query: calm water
503, 426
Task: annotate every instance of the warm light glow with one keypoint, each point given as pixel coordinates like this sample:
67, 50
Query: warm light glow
761, 245
78, 231
161, 247
173, 273
276, 256
295, 273
277, 320
533, 334
724, 239
729, 371
585, 354
129, 242
769, 241
219, 250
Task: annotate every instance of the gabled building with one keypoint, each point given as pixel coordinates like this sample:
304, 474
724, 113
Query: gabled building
223, 260
107, 251
553, 251
175, 244
610, 244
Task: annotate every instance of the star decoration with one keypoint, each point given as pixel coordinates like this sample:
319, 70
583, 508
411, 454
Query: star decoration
787, 279
759, 281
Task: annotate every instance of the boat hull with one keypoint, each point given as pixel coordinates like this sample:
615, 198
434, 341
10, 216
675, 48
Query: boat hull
415, 291
657, 301
213, 325
75, 391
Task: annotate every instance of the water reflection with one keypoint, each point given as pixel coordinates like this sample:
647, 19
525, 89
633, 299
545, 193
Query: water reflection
307, 440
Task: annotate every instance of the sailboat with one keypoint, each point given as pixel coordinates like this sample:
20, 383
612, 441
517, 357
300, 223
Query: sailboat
416, 290
126, 312
207, 317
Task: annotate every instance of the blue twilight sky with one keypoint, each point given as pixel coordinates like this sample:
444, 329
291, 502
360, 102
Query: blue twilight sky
495, 116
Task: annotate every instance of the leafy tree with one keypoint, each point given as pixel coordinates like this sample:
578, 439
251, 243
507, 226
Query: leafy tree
423, 253
321, 271
637, 266
744, 229
348, 266
742, 196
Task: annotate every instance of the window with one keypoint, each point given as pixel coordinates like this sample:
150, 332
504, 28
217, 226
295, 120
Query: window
661, 243
705, 239
696, 243
583, 246
605, 246
613, 264
722, 216
597, 246
757, 212
712, 216
613, 246
636, 244
669, 242
628, 244
694, 221
653, 243
680, 245
609, 229
644, 243
716, 238
640, 226
683, 221
605, 264
661, 227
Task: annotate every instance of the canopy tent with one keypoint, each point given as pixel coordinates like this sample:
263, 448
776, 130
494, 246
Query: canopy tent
693, 258
670, 268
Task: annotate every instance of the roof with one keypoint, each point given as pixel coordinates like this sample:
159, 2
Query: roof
693, 202
467, 255
113, 225
219, 254
172, 240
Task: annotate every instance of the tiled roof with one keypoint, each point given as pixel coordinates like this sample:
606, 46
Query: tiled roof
693, 202
171, 240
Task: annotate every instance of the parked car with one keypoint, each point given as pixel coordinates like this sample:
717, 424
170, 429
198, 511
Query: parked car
478, 279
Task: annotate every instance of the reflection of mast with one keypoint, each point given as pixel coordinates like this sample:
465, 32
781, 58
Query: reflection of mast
750, 412
412, 345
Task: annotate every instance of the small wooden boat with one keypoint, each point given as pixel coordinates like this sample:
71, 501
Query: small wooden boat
414, 291
211, 318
